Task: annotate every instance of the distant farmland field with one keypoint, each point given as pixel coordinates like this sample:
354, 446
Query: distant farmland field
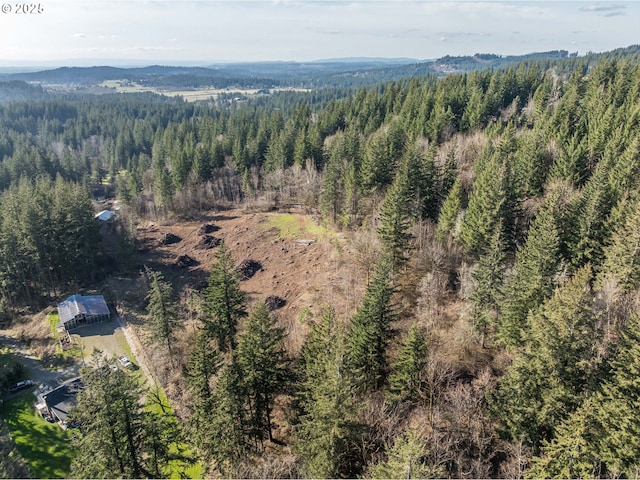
190, 95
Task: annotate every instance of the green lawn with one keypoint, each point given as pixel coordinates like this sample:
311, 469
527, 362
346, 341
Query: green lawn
54, 319
44, 446
124, 345
48, 449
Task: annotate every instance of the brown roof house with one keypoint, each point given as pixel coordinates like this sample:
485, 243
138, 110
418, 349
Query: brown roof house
57, 404
78, 310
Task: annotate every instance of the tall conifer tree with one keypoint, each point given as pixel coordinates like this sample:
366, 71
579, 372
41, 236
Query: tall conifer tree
219, 426
537, 263
448, 217
162, 309
203, 365
327, 431
371, 330
263, 363
556, 366
407, 372
573, 451
224, 301
406, 458
488, 281
622, 256
616, 407
119, 436
395, 220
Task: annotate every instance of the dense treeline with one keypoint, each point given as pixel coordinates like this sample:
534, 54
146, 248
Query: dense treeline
530, 181
507, 210
16, 90
48, 239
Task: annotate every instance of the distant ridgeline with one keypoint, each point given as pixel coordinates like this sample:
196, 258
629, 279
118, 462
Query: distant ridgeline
333, 73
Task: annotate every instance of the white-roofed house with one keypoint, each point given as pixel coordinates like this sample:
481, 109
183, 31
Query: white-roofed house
79, 310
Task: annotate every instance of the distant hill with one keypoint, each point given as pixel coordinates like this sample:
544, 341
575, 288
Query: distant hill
326, 72
344, 72
257, 74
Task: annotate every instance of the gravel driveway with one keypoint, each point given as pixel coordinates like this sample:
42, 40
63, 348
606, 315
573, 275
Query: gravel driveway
37, 373
108, 336
105, 336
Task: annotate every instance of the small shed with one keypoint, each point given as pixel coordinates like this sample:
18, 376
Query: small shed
105, 216
79, 310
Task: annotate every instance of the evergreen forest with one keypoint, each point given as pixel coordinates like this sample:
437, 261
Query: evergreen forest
497, 334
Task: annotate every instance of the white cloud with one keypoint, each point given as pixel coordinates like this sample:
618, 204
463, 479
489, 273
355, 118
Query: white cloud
304, 29
602, 8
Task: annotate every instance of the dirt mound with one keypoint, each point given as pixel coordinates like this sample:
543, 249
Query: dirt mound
208, 228
207, 242
170, 239
247, 268
307, 276
274, 302
184, 261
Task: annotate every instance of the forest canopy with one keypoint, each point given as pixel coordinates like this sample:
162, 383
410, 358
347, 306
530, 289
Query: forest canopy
505, 204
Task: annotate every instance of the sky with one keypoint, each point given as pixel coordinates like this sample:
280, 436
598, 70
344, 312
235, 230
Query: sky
187, 32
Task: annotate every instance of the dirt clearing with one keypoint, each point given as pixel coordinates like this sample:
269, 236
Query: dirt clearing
302, 263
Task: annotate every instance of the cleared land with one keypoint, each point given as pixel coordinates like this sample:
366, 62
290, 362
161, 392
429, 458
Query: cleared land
190, 95
309, 277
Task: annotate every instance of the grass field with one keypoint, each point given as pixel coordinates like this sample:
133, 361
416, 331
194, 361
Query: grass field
124, 345
297, 227
44, 446
193, 95
189, 95
53, 319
